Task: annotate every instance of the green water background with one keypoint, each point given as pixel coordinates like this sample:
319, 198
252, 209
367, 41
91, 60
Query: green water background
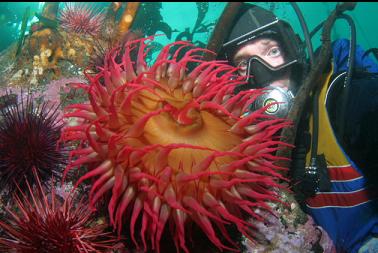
180, 16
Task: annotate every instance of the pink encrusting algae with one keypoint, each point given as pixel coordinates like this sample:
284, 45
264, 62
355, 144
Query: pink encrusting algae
173, 147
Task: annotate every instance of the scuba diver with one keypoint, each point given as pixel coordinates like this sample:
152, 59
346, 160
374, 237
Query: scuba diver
332, 187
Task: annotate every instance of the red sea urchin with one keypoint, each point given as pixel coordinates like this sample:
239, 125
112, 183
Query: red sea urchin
44, 224
28, 138
172, 146
80, 19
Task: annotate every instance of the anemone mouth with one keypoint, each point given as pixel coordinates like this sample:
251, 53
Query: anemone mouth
197, 133
173, 146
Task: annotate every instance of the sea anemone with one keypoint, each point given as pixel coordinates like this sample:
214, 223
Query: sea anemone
173, 147
80, 19
44, 224
29, 133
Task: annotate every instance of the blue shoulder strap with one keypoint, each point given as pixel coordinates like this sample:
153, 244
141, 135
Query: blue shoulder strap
340, 50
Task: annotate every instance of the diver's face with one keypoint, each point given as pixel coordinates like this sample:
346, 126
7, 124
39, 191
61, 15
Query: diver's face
267, 49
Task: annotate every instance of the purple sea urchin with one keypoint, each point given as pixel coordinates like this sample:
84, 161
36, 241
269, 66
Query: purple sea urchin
28, 138
80, 19
98, 56
43, 224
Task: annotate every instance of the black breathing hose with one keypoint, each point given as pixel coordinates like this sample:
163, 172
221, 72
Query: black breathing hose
316, 29
352, 51
305, 32
351, 63
310, 82
315, 101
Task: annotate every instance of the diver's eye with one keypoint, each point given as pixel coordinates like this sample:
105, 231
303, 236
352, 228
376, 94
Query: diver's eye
274, 52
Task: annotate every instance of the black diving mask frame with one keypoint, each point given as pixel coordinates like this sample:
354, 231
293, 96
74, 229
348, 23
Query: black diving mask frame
260, 73
259, 69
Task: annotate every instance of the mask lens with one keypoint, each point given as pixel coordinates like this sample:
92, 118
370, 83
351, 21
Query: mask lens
242, 66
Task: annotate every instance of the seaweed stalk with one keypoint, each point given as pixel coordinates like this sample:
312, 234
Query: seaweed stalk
23, 29
128, 16
108, 30
50, 10
222, 29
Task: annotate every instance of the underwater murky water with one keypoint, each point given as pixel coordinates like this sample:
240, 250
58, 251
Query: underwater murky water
182, 16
